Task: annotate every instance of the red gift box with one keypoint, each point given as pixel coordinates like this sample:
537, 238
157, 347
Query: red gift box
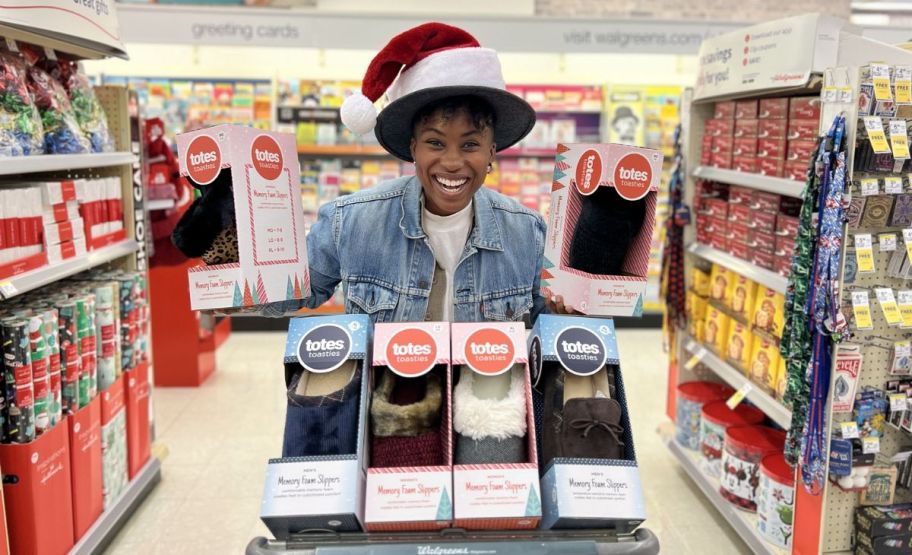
718, 241
747, 128
138, 441
786, 226
716, 207
771, 148
801, 151
783, 265
773, 167
720, 127
804, 107
763, 221
766, 202
773, 108
717, 225
738, 232
772, 129
803, 129
745, 146
746, 109
762, 240
739, 213
724, 110
721, 160
738, 249
723, 144
796, 170
38, 495
745, 164
763, 259
785, 245
740, 195
85, 460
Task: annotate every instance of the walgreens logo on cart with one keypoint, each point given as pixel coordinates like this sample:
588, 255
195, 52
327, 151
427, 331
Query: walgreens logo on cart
489, 351
411, 352
204, 160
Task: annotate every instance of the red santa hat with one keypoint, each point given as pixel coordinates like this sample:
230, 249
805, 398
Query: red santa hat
425, 64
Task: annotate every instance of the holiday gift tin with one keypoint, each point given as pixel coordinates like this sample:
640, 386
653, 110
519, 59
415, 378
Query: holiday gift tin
776, 500
691, 398
744, 448
715, 418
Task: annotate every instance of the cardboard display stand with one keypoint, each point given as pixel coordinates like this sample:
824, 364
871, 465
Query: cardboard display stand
265, 178
496, 496
85, 460
139, 446
321, 492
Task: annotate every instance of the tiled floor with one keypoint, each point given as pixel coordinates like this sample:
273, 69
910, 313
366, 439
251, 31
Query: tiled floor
219, 436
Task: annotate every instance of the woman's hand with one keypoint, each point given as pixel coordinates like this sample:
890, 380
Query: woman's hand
556, 306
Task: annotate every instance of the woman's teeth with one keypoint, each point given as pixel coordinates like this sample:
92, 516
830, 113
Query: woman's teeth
452, 184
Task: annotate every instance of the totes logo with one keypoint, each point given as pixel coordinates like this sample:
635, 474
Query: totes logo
632, 176
324, 348
588, 172
204, 160
267, 157
411, 352
580, 351
489, 351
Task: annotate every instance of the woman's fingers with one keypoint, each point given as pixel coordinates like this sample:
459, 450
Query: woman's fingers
557, 306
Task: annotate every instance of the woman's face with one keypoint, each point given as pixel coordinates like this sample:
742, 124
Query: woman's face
451, 160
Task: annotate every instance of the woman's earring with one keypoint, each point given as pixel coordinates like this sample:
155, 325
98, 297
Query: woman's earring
490, 168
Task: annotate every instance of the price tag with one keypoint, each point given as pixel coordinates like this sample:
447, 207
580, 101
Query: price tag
50, 54
739, 395
893, 185
692, 362
861, 306
849, 429
870, 445
888, 305
870, 187
904, 299
897, 402
880, 73
844, 94
828, 95
907, 239
7, 289
899, 138
902, 82
864, 253
886, 242
874, 126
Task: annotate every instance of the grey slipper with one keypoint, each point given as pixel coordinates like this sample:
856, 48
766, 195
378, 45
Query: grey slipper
489, 431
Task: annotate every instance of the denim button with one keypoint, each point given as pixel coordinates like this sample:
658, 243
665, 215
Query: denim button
423, 284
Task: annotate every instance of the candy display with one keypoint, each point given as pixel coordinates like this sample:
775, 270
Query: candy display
62, 133
21, 129
88, 111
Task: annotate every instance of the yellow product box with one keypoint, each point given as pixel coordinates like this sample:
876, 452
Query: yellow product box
716, 329
694, 306
764, 362
738, 346
768, 311
699, 282
720, 281
743, 292
781, 379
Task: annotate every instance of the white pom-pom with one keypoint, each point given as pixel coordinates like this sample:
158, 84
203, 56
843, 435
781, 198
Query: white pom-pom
358, 114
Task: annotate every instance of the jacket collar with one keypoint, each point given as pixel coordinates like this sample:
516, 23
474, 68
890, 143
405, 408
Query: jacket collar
485, 232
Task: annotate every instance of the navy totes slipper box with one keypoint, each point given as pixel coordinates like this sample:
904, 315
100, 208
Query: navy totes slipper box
603, 200
326, 363
410, 474
269, 217
590, 477
495, 466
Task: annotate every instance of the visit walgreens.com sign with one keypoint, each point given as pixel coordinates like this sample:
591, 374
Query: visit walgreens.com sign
89, 23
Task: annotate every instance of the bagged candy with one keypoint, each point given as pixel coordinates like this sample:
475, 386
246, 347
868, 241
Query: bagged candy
89, 114
62, 134
21, 131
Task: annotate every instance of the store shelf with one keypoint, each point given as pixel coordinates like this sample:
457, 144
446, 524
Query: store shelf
62, 162
778, 185
109, 523
736, 378
34, 279
744, 523
742, 267
342, 150
160, 204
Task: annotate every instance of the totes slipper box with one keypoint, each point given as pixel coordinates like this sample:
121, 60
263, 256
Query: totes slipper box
585, 492
600, 224
265, 177
322, 492
411, 361
490, 495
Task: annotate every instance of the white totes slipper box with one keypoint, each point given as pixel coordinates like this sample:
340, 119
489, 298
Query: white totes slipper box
321, 492
496, 496
265, 176
578, 170
413, 497
586, 493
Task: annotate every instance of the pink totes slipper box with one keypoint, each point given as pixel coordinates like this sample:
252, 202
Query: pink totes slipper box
410, 473
496, 496
265, 176
583, 214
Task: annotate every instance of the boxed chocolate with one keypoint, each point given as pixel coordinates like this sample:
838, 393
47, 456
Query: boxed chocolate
745, 164
787, 225
720, 127
719, 240
764, 259
715, 208
582, 171
740, 213
739, 232
746, 109
739, 249
724, 110
796, 170
804, 107
740, 195
722, 160
269, 216
745, 146
772, 167
772, 129
746, 128
783, 265
801, 151
762, 240
771, 148
803, 129
784, 246
766, 202
773, 108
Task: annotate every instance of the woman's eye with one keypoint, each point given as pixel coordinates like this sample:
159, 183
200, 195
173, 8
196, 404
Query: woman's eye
434, 143
470, 145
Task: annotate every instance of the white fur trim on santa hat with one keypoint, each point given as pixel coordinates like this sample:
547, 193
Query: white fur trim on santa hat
358, 114
459, 66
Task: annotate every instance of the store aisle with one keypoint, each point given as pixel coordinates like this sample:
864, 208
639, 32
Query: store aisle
219, 436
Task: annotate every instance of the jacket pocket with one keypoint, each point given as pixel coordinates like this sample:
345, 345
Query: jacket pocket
377, 301
507, 308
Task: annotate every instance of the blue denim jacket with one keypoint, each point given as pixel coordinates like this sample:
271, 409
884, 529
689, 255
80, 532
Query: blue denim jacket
373, 243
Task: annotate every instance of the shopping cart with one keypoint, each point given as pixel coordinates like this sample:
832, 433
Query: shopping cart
456, 541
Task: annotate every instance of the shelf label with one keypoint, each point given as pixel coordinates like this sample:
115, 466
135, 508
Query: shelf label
893, 185
888, 305
886, 242
902, 82
7, 289
864, 253
739, 395
907, 239
870, 445
861, 306
905, 307
874, 126
870, 187
880, 73
845, 94
897, 402
899, 138
693, 361
849, 429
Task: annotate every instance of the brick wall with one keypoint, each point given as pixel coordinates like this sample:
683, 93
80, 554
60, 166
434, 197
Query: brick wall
746, 11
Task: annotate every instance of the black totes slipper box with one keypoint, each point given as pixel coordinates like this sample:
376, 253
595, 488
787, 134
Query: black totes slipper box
269, 217
589, 470
410, 475
495, 466
603, 201
322, 492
